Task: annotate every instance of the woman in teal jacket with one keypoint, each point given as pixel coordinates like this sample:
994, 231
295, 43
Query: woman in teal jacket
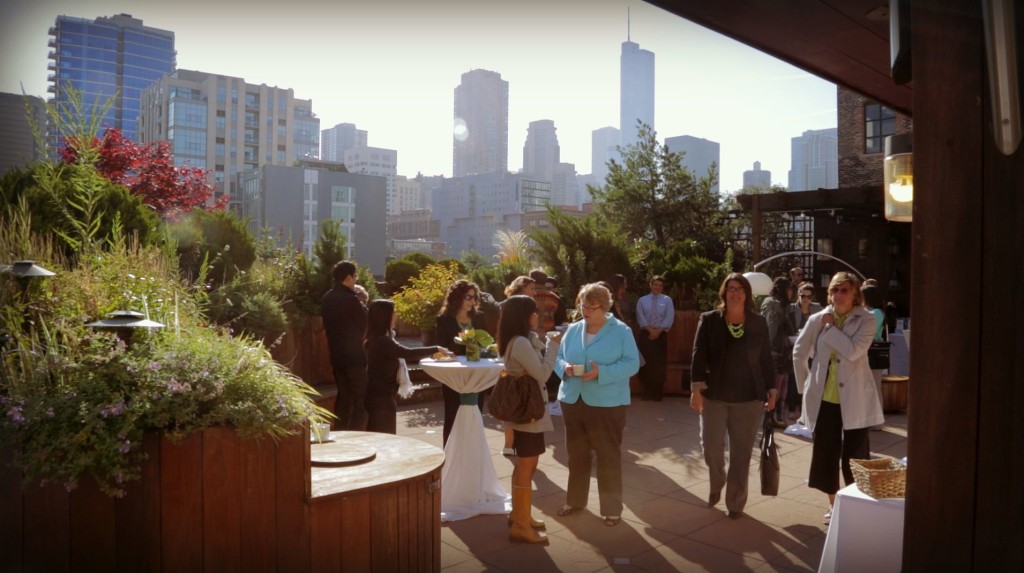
597, 357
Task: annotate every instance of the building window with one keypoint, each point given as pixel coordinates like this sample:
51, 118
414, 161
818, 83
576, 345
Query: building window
879, 121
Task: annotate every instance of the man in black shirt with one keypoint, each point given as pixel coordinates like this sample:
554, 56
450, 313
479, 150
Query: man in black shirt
345, 325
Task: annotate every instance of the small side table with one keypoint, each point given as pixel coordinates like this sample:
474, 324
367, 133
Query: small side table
895, 391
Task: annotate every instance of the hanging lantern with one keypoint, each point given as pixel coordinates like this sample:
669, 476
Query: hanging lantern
899, 177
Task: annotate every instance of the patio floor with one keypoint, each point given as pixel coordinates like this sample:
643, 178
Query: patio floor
666, 525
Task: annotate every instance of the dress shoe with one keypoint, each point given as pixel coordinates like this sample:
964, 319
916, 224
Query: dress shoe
714, 498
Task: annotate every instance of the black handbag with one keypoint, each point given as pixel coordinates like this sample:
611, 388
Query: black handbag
769, 458
878, 355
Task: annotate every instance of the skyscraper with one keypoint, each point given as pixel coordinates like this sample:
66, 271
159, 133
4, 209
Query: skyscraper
335, 141
757, 178
18, 145
226, 125
814, 159
603, 147
564, 189
699, 154
106, 58
541, 151
481, 124
376, 161
636, 90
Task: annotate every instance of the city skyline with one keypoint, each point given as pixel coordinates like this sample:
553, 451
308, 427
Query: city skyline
391, 70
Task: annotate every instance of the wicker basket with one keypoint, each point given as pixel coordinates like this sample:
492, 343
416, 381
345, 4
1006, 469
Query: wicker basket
880, 478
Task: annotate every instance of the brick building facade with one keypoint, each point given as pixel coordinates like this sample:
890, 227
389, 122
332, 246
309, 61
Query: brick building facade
860, 157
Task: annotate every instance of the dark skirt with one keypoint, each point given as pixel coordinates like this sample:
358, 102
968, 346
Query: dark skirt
528, 444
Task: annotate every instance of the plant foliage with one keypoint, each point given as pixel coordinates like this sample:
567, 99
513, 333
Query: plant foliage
581, 250
75, 401
148, 171
420, 301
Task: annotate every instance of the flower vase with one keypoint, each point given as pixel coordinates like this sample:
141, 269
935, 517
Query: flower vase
472, 353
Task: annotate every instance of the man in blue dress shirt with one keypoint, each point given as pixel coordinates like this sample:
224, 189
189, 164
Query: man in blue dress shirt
654, 314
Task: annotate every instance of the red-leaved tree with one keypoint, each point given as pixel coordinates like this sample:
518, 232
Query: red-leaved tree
147, 171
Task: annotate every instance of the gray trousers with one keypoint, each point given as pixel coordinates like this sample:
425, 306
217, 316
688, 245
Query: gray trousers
593, 430
740, 421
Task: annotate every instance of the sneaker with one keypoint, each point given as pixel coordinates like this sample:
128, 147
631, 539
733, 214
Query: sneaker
827, 518
555, 408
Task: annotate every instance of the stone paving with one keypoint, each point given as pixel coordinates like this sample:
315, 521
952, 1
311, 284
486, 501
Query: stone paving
666, 525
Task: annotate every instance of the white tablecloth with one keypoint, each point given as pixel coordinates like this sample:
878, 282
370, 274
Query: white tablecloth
469, 484
865, 534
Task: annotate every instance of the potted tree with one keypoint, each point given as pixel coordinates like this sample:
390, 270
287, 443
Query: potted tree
419, 302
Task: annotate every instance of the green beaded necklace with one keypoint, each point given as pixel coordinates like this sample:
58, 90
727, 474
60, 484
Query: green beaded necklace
736, 330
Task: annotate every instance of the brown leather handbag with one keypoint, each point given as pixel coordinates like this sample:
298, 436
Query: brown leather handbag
516, 399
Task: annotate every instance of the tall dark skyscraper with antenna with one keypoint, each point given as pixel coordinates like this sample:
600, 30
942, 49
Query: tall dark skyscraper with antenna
636, 88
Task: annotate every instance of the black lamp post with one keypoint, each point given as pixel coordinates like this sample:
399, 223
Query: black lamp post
124, 323
27, 269
23, 272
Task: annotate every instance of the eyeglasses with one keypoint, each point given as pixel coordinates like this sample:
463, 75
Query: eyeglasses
471, 297
734, 289
584, 308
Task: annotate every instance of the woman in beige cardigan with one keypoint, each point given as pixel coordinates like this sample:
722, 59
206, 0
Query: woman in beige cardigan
840, 399
519, 346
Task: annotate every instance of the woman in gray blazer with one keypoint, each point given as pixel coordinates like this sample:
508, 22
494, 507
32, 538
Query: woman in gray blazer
518, 319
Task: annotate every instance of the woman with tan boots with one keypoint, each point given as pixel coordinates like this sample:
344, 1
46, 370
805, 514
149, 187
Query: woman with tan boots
518, 319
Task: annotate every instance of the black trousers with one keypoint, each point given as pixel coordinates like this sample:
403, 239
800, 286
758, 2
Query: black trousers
833, 447
382, 412
552, 385
652, 375
350, 402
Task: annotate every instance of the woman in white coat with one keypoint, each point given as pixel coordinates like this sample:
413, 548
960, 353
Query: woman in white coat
840, 399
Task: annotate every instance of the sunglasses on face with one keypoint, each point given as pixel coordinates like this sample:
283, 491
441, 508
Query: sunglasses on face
841, 290
805, 296
471, 297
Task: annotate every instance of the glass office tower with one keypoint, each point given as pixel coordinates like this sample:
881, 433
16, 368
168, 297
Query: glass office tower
115, 57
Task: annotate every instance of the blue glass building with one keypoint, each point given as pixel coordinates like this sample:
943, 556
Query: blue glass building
115, 57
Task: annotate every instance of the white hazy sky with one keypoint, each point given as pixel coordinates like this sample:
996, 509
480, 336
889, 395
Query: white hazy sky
391, 67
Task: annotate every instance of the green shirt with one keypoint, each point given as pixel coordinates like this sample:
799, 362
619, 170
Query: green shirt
831, 392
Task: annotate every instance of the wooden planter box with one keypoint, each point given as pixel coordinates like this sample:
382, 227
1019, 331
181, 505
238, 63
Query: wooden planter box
680, 350
214, 502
